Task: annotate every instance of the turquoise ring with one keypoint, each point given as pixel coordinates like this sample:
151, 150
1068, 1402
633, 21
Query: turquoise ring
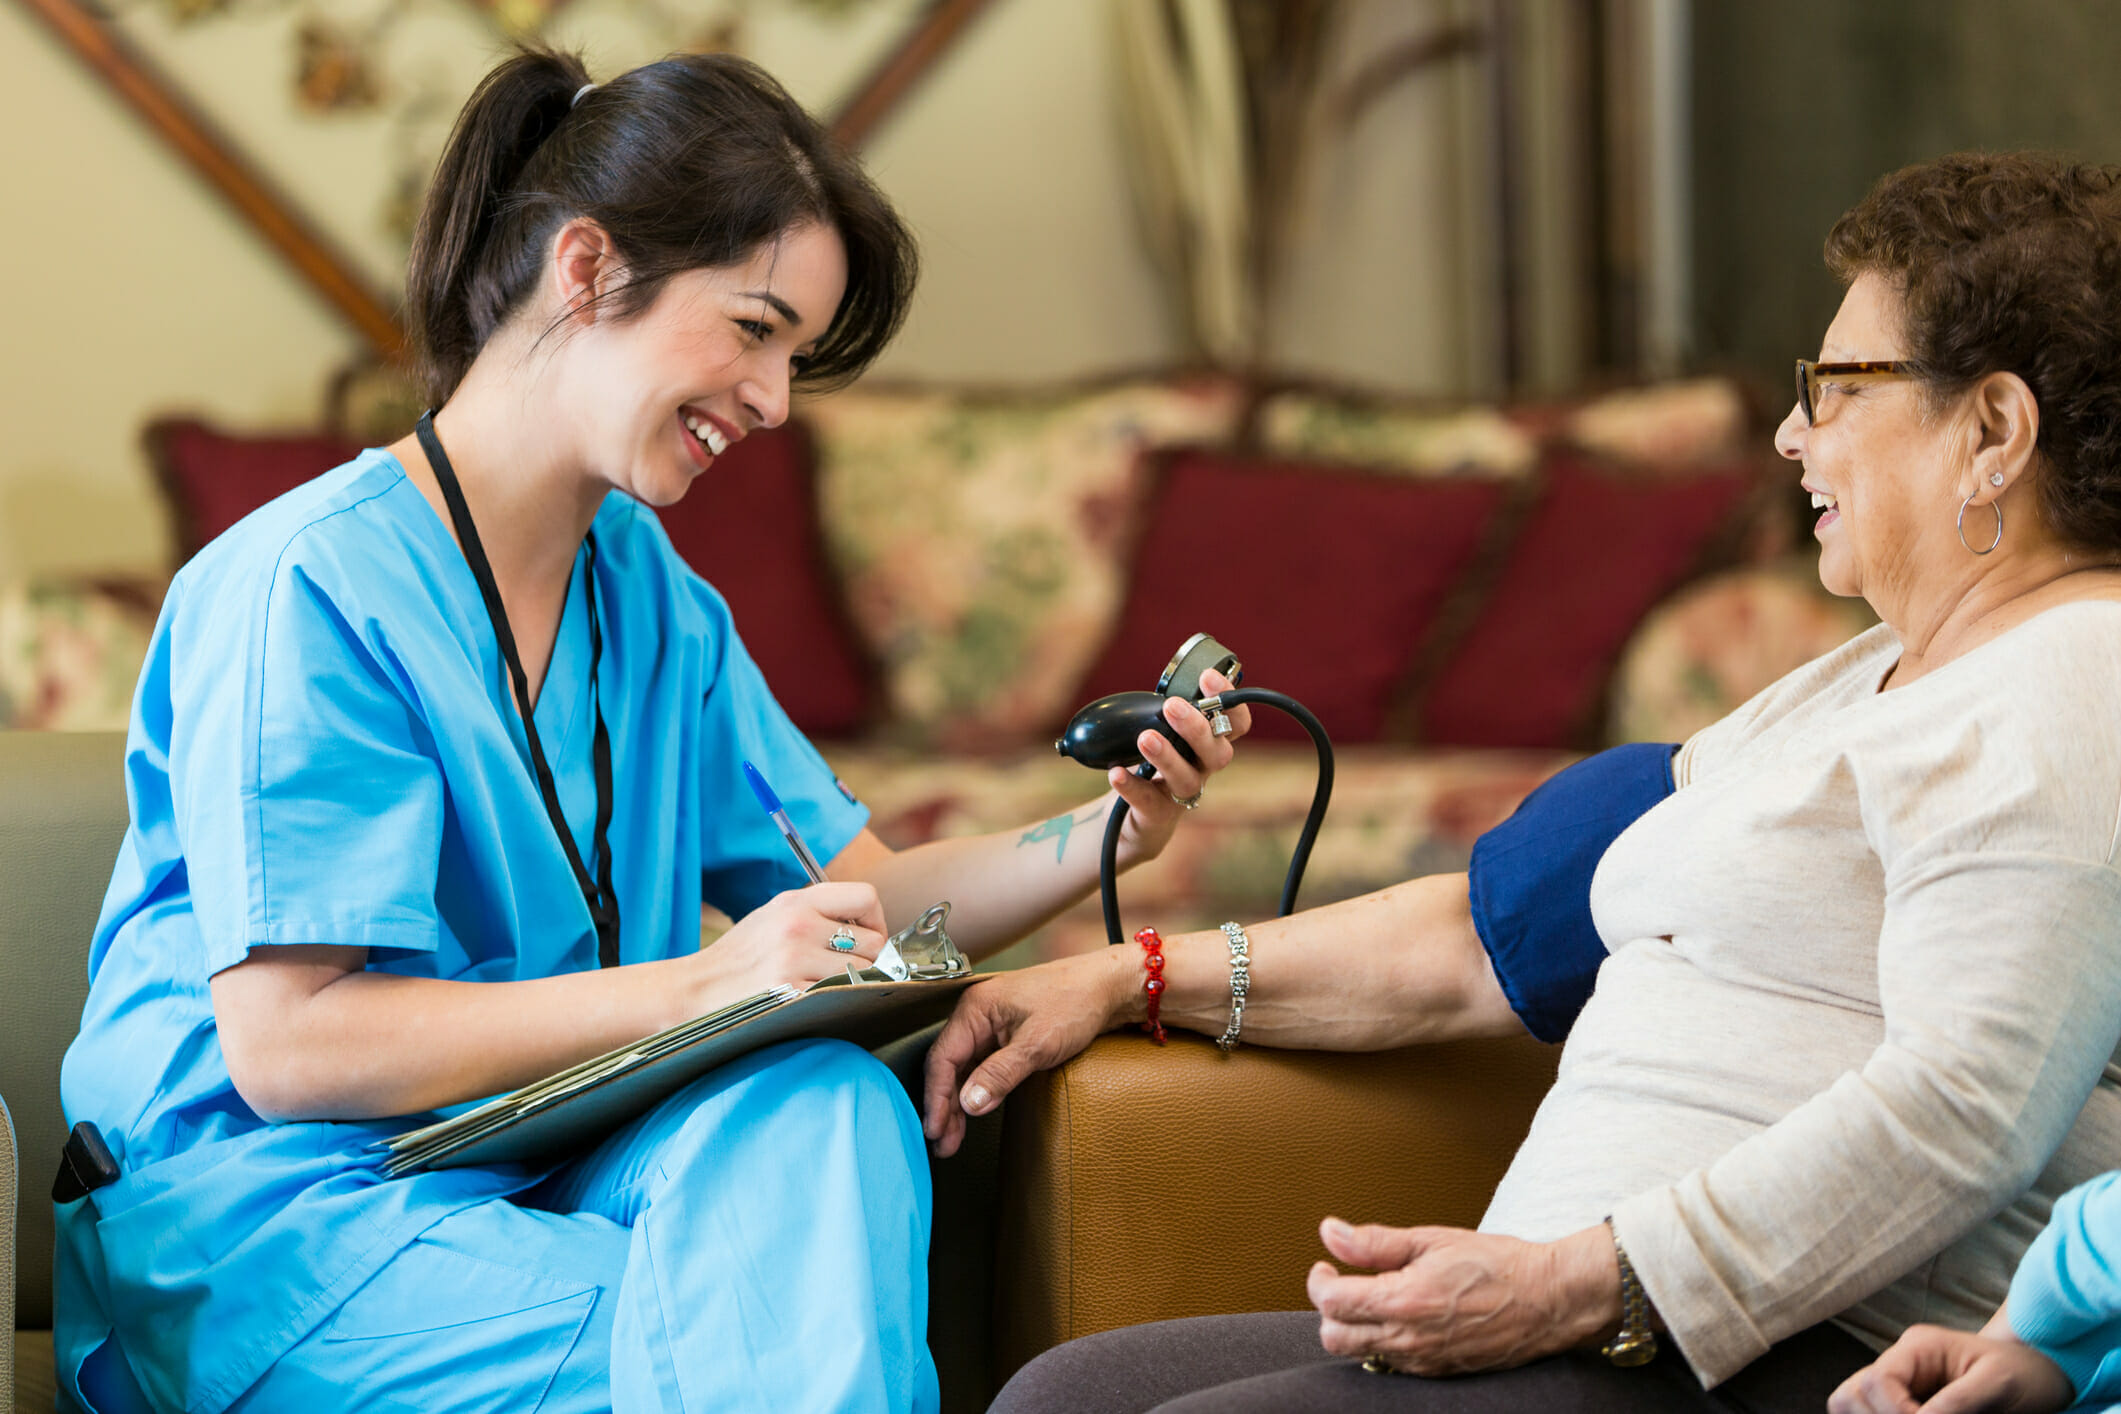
842, 941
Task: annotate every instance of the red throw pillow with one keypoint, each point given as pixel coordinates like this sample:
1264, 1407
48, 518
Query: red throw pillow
749, 526
1596, 553
1323, 580
213, 478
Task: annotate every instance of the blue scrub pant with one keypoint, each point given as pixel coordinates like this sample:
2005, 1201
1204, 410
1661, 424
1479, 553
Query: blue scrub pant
756, 1242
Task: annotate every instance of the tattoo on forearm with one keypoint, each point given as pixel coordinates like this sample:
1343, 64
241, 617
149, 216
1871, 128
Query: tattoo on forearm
1058, 829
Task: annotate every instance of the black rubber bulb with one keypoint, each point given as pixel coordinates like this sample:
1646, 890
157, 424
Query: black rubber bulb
1103, 734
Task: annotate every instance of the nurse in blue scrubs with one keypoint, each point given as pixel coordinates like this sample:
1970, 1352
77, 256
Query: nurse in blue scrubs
432, 766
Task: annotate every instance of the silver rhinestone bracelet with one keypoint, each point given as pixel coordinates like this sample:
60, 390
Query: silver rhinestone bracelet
1240, 984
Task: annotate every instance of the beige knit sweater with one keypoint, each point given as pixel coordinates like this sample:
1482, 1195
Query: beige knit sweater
1857, 1027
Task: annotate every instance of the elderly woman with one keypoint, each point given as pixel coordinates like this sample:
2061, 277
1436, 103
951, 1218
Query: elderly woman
1852, 1035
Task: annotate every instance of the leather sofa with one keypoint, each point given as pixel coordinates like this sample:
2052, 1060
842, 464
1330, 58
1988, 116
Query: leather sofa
1135, 1184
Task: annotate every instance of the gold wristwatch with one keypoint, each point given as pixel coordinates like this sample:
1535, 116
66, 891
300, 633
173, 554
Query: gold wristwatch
1636, 1344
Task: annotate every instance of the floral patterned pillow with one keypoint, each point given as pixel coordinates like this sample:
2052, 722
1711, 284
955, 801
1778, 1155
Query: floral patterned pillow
1700, 420
1703, 419
982, 540
1413, 442
69, 656
1708, 650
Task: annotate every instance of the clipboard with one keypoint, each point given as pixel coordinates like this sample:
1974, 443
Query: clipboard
913, 983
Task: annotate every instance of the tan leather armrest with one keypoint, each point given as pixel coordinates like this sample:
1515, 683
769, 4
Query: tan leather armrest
1142, 1183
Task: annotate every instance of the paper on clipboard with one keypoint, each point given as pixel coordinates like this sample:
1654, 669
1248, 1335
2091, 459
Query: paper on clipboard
915, 984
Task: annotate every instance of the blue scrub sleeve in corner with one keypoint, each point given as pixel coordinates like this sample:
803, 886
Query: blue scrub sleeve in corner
2065, 1300
1530, 880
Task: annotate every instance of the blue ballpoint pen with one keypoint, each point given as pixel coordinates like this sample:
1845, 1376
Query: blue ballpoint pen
771, 804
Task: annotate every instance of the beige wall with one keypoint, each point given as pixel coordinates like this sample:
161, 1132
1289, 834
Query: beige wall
136, 293
142, 295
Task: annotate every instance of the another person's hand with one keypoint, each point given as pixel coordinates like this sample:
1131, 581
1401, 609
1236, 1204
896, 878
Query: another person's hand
1013, 1024
788, 941
1445, 1301
1155, 806
1939, 1371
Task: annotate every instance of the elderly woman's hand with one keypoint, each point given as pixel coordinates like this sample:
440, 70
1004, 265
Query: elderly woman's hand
1013, 1024
1446, 1301
1155, 805
1941, 1371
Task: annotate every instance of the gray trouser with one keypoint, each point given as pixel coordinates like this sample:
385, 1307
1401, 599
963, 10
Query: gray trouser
1272, 1363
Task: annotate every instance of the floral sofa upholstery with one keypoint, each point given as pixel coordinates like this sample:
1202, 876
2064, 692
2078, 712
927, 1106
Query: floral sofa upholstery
932, 580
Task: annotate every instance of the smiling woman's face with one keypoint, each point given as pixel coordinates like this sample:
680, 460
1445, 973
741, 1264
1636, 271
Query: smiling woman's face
1877, 461
660, 395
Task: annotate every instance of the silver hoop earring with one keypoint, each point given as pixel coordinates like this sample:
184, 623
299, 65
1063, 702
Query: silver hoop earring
1997, 507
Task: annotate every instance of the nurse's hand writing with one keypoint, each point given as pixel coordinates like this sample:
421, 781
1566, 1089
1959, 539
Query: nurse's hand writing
1155, 806
788, 941
1013, 1024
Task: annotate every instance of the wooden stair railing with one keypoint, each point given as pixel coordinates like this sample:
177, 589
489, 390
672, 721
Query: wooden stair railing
216, 157
891, 82
211, 154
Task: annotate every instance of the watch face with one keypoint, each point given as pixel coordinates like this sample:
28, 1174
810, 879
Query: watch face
1631, 1350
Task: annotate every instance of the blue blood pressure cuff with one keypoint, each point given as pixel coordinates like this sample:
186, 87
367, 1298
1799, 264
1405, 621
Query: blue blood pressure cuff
1530, 880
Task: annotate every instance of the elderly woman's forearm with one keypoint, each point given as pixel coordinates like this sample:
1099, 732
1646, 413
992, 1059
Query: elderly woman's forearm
1392, 968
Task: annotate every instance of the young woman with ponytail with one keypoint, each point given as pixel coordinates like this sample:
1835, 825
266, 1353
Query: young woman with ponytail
432, 766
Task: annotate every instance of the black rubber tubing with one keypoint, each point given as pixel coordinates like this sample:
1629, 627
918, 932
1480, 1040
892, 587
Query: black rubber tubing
1108, 857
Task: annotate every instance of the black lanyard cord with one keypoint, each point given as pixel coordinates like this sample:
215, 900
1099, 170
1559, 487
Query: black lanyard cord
602, 899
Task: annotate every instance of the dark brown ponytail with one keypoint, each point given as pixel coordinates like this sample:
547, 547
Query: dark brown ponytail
694, 161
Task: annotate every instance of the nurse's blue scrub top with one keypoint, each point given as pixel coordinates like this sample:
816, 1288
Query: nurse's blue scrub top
325, 749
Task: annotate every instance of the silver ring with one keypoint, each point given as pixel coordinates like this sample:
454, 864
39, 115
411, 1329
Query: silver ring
842, 940
1192, 802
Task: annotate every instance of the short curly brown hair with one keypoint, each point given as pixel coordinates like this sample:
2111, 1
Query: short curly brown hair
2011, 262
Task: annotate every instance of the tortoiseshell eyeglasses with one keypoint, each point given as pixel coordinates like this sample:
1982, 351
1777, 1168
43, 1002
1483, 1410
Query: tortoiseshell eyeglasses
1811, 375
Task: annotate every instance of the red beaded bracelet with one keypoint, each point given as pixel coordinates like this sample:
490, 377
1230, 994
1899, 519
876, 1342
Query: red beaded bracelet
1153, 984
